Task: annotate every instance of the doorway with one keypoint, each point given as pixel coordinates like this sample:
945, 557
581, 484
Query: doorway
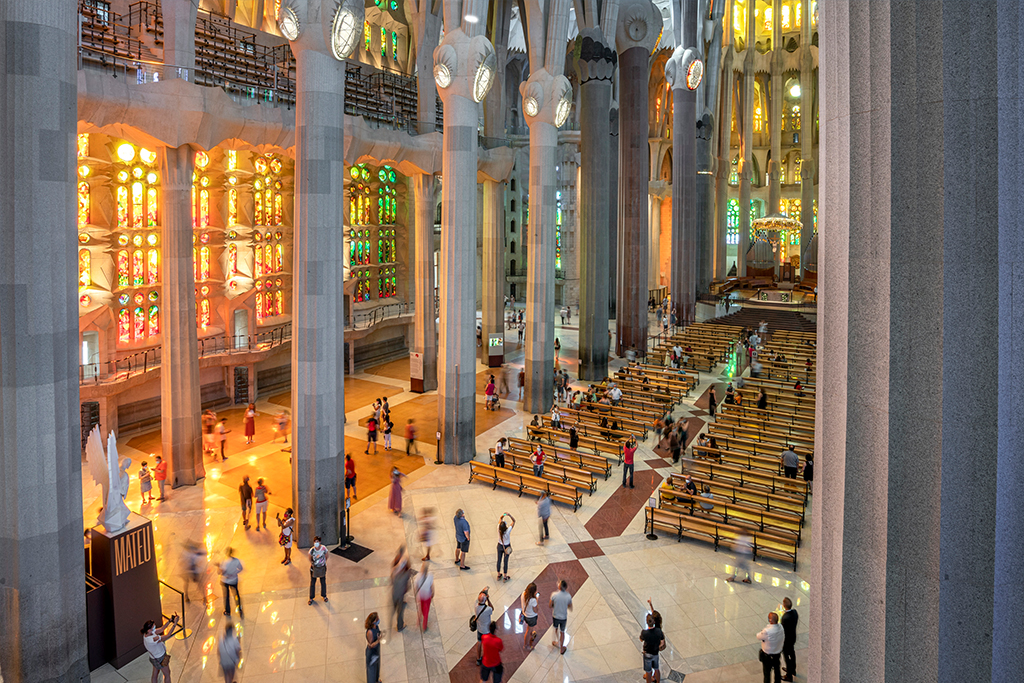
241, 328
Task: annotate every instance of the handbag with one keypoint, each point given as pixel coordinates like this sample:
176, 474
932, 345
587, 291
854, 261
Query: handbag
282, 539
318, 572
508, 550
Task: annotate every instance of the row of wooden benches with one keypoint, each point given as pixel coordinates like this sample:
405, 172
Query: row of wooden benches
521, 483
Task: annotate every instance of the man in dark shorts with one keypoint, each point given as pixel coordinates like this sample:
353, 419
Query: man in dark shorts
461, 538
350, 475
245, 493
491, 668
371, 435
654, 642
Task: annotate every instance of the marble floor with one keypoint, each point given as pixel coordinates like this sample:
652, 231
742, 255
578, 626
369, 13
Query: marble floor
601, 550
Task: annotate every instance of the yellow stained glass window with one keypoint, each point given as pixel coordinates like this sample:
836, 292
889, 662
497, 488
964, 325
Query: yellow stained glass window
83, 204
84, 268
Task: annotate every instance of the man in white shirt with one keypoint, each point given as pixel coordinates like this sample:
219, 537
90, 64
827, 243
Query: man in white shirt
484, 610
772, 637
230, 568
616, 395
561, 603
153, 638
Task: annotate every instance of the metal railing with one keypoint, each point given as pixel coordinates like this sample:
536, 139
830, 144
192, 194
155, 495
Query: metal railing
365, 319
141, 362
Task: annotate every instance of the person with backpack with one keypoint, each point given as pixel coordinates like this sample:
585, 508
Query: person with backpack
481, 621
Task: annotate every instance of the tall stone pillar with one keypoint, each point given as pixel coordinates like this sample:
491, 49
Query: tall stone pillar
493, 274
179, 20
708, 166
180, 406
636, 33
684, 166
318, 329
595, 67
547, 98
613, 209
724, 168
915, 571
746, 146
424, 317
425, 31
775, 97
654, 239
41, 562
808, 88
456, 63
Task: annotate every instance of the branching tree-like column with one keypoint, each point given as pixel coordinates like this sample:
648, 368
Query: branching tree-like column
322, 35
746, 146
639, 24
180, 406
464, 67
547, 99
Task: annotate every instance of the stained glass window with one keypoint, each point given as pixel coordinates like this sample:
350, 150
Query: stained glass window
83, 145
154, 321
758, 119
232, 206
394, 45
785, 16
123, 273
383, 42
232, 259
83, 204
204, 263
138, 267
153, 267
278, 257
124, 326
122, 206
732, 222
137, 202
279, 302
231, 159
558, 229
151, 207
203, 311
84, 268
367, 35
139, 323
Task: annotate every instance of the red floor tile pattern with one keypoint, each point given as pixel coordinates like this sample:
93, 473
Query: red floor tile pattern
511, 632
622, 506
585, 549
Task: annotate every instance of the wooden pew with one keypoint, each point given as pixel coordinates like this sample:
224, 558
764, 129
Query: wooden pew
750, 478
781, 523
783, 502
597, 445
585, 461
524, 483
553, 470
592, 421
590, 431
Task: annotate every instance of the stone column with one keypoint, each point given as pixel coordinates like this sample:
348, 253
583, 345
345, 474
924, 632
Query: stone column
42, 596
180, 406
492, 319
746, 146
318, 331
808, 88
684, 168
424, 317
179, 38
638, 29
425, 30
456, 59
775, 97
708, 166
613, 209
595, 67
654, 240
724, 168
915, 571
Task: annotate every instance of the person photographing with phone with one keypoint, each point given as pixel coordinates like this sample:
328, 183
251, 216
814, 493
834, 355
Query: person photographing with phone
153, 637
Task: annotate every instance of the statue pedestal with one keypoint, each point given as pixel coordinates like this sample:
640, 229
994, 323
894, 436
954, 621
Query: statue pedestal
125, 561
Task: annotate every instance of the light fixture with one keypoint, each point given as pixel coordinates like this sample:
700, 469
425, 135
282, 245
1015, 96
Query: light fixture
83, 171
531, 106
343, 33
442, 76
471, 19
125, 152
288, 22
694, 74
795, 90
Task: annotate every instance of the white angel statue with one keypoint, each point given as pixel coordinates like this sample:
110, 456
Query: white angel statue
112, 476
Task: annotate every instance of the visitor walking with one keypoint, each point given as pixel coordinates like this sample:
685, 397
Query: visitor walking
461, 538
521, 381
287, 526
428, 531
245, 494
261, 494
744, 550
222, 436
491, 646
209, 437
250, 423
154, 637
388, 426
499, 452
372, 626
529, 615
628, 452
229, 650
790, 462
772, 638
410, 437
146, 483
160, 474
400, 575
350, 475
504, 543
543, 515
558, 349
395, 495
561, 604
317, 569
281, 426
371, 434
229, 569
424, 592
809, 471
712, 402
194, 554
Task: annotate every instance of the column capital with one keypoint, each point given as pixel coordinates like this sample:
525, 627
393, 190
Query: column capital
464, 66
546, 98
681, 69
639, 25
325, 26
596, 60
